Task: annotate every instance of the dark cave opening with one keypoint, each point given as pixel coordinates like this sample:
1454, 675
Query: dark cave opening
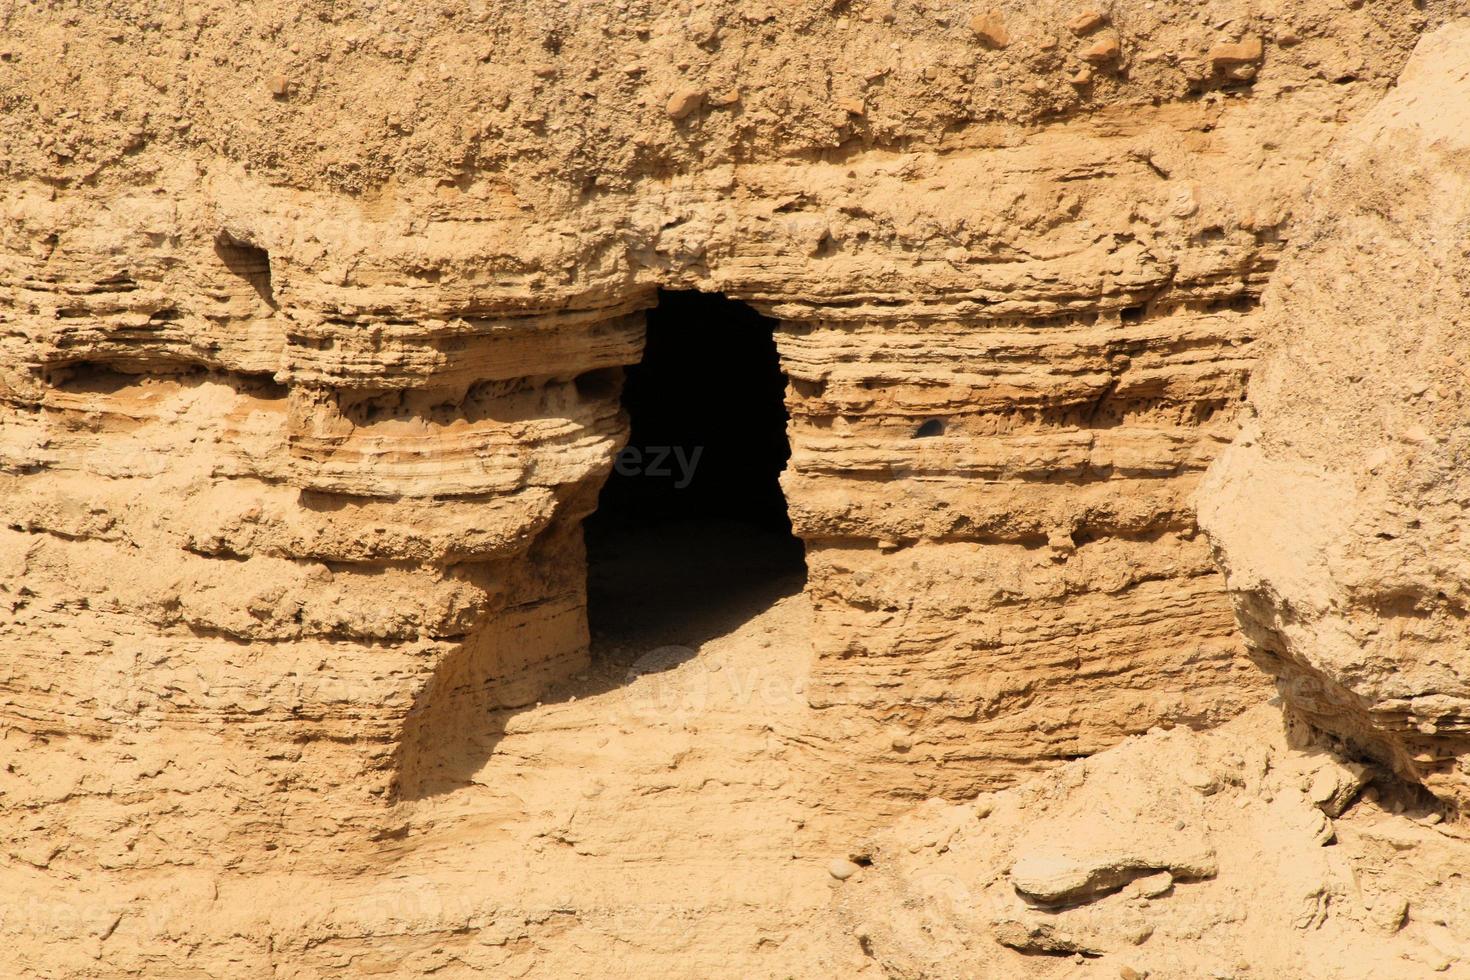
691, 534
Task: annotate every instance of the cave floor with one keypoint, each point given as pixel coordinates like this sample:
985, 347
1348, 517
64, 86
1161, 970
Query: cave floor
650, 808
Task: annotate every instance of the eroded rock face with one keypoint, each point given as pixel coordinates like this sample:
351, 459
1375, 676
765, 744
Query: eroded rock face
303, 470
1339, 513
311, 323
296, 469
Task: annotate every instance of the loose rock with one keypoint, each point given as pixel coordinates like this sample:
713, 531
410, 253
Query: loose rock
1247, 51
990, 28
1103, 51
684, 101
1086, 22
1055, 879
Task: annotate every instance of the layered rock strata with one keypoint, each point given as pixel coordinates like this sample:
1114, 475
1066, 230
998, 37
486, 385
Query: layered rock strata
310, 355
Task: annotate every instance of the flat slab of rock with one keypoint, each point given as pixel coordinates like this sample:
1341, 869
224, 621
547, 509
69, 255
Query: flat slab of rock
1073, 876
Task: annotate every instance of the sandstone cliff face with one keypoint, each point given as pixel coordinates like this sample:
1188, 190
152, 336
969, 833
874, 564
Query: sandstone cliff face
311, 323
1339, 513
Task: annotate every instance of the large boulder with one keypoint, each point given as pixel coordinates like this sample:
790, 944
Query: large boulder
1339, 514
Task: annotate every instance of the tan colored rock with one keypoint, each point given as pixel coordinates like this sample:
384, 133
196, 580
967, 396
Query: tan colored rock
684, 101
990, 28
302, 405
1087, 21
1054, 877
1239, 60
1106, 50
1338, 514
1058, 868
1247, 51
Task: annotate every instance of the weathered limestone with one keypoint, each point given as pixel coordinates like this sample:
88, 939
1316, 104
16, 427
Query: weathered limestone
311, 328
1027, 574
259, 432
1339, 513
1172, 854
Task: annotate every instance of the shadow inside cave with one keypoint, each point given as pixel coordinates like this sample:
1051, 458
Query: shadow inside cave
690, 539
691, 530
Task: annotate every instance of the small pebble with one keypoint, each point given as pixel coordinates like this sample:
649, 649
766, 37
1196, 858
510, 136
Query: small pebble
842, 869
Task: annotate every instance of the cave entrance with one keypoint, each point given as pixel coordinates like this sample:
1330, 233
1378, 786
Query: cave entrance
691, 536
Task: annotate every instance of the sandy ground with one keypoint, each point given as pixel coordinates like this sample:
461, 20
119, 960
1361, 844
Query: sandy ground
651, 807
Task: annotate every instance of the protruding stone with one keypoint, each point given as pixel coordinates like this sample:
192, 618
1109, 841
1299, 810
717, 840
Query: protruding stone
1087, 21
1247, 51
1153, 886
703, 28
280, 86
685, 101
1059, 540
1200, 780
1061, 878
1104, 51
1388, 912
990, 28
1334, 787
842, 869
